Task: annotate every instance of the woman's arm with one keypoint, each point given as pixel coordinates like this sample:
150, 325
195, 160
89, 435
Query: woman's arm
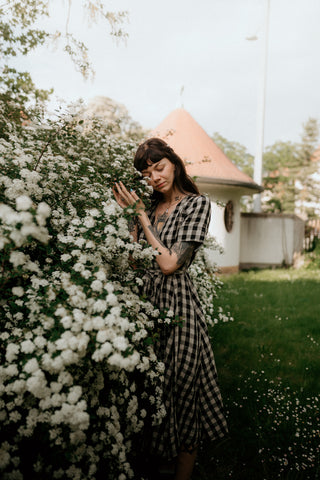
169, 260
133, 229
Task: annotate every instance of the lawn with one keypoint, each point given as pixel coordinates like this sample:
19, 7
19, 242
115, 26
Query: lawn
268, 360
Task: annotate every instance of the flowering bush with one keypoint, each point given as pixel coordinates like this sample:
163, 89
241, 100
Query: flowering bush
203, 273
76, 336
79, 377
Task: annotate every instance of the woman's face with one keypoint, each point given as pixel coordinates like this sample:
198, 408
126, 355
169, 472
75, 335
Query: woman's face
160, 175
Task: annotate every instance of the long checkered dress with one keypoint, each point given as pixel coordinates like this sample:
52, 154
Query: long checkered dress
191, 395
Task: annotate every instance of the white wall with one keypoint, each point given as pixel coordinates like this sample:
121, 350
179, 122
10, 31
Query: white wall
270, 239
230, 241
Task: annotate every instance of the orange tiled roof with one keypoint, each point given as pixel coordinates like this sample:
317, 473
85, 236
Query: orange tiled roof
203, 158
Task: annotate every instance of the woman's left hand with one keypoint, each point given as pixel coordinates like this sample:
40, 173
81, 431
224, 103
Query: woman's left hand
126, 198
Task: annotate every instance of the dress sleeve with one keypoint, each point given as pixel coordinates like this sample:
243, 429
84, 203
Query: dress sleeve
195, 219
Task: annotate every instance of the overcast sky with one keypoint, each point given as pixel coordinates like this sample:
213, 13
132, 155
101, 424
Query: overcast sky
200, 45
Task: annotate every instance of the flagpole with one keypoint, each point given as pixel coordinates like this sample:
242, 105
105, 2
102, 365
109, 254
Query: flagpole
257, 176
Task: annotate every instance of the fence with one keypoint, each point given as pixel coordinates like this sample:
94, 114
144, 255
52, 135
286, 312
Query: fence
311, 233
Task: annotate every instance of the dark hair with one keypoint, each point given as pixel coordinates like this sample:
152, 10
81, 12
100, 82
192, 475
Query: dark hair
153, 150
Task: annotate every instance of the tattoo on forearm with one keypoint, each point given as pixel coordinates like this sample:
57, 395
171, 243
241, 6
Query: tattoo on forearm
184, 251
131, 225
156, 235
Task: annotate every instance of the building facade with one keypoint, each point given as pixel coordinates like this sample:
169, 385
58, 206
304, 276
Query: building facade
215, 176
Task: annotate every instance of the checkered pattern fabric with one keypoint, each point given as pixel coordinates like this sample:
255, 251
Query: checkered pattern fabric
191, 393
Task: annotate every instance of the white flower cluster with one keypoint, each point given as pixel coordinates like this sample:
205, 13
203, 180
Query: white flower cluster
203, 274
18, 225
78, 372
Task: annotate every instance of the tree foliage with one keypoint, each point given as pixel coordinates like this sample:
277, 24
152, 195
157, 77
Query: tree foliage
308, 186
112, 114
280, 165
20, 34
236, 152
240, 156
290, 171
289, 174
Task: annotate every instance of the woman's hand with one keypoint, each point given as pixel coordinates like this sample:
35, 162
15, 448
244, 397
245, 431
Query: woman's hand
127, 198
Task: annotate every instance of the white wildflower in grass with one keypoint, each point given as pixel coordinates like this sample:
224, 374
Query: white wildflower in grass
285, 425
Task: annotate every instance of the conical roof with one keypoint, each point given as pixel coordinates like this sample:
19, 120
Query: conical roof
202, 157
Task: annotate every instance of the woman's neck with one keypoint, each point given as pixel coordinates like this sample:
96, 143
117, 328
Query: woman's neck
172, 196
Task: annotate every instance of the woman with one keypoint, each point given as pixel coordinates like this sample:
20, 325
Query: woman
176, 226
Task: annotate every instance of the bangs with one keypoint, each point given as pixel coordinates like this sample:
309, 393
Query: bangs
155, 149
142, 159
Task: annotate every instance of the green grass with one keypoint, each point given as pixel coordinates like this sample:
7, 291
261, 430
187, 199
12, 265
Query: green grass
268, 361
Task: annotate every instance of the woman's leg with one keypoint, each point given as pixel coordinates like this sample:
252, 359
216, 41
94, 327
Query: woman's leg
167, 468
185, 463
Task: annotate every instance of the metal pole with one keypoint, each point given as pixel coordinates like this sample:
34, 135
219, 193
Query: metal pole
257, 176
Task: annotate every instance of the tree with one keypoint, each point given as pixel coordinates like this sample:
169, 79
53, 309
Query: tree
280, 165
308, 188
240, 156
289, 174
236, 152
20, 35
115, 115
290, 171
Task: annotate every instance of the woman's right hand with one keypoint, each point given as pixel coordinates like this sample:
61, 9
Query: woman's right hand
119, 198
125, 198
